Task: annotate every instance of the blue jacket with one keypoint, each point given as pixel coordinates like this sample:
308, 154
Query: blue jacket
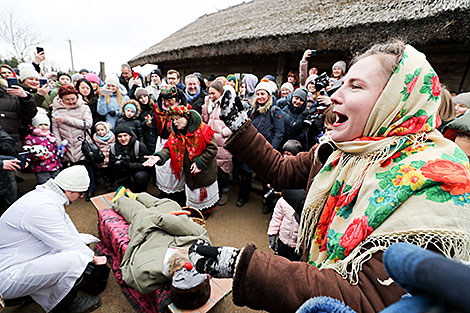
270, 123
104, 108
294, 122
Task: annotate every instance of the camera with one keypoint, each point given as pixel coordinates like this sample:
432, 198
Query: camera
312, 121
321, 82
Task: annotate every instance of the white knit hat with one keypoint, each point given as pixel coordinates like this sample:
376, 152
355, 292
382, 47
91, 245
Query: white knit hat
74, 178
28, 72
113, 79
287, 86
40, 118
264, 86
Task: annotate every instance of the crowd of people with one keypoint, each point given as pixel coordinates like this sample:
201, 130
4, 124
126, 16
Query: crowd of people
335, 154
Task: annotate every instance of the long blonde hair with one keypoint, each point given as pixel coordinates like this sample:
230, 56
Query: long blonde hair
118, 96
446, 109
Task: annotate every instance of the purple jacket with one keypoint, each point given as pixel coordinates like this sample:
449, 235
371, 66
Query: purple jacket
46, 162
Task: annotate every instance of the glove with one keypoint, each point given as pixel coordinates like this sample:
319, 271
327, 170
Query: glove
112, 113
219, 262
232, 112
272, 242
121, 164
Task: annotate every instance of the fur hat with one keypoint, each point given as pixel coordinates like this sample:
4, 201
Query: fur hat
74, 178
28, 71
264, 86
463, 98
293, 146
40, 118
190, 291
287, 86
140, 92
340, 64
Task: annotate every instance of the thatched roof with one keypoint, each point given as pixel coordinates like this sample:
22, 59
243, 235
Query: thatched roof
276, 26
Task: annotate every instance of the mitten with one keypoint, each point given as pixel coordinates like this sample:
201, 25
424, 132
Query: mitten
219, 262
272, 242
112, 112
232, 112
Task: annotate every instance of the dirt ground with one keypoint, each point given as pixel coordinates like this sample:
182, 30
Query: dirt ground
228, 225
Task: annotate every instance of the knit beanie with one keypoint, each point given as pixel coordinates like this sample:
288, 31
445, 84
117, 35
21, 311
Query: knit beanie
310, 79
301, 93
264, 86
122, 128
62, 74
158, 72
93, 78
40, 118
293, 146
287, 86
463, 98
77, 77
112, 80
140, 92
130, 105
340, 64
74, 178
28, 72
51, 75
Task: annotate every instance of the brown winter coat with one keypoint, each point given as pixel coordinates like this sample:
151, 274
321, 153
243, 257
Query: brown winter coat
273, 283
72, 127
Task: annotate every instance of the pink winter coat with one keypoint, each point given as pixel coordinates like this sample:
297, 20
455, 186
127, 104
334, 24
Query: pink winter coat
283, 223
105, 146
72, 126
48, 162
210, 115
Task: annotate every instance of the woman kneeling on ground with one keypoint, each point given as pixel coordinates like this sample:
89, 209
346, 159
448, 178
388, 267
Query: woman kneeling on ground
390, 177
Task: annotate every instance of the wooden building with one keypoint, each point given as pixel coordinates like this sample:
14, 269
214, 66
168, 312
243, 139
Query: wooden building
269, 36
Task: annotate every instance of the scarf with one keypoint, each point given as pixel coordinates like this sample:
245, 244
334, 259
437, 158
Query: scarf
105, 137
191, 98
44, 133
191, 143
161, 120
402, 181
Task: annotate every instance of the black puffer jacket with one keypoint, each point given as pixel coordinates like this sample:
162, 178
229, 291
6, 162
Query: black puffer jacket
124, 160
16, 114
294, 122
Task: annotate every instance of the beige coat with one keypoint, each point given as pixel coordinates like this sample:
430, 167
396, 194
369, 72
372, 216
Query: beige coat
72, 126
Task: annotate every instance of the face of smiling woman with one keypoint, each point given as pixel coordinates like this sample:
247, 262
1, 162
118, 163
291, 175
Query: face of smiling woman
354, 101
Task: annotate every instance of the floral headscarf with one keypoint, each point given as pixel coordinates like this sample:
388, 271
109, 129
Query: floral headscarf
401, 181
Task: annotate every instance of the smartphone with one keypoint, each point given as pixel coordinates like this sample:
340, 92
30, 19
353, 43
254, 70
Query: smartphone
106, 92
39, 49
22, 156
314, 52
136, 75
12, 81
42, 82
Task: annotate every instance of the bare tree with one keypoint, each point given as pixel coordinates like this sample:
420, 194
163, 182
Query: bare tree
18, 34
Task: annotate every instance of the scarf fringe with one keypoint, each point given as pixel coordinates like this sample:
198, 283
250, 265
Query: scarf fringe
314, 204
454, 245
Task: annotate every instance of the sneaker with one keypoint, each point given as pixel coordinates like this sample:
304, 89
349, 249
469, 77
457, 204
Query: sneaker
119, 192
131, 194
241, 202
223, 199
83, 304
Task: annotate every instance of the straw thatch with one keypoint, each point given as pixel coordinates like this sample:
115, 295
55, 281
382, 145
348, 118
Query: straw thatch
266, 27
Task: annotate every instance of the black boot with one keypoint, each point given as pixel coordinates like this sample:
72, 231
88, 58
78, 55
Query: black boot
83, 304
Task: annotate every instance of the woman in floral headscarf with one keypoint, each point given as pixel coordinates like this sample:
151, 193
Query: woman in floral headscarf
389, 177
192, 151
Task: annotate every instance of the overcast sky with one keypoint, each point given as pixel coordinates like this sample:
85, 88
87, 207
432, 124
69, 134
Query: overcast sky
112, 31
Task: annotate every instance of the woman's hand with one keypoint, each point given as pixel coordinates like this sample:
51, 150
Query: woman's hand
151, 160
194, 169
44, 90
11, 165
307, 54
325, 100
17, 91
99, 260
59, 120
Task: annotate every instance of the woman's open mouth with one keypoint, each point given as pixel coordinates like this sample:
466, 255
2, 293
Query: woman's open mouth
340, 119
